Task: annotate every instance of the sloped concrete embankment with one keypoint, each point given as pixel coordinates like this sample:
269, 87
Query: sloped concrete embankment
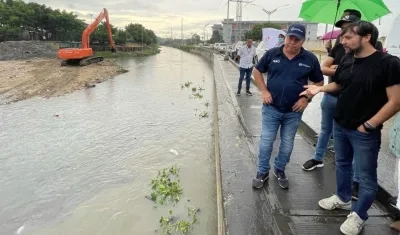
209, 56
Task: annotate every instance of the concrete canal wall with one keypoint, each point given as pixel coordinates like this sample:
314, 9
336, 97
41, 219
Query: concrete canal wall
208, 55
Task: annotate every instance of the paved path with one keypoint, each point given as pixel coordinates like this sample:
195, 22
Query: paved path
273, 210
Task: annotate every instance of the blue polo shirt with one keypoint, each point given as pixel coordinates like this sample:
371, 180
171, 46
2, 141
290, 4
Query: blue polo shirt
287, 78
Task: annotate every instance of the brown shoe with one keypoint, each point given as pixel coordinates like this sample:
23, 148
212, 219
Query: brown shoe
396, 226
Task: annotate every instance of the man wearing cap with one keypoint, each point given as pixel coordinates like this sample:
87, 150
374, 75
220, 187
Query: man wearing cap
368, 82
289, 68
328, 103
346, 12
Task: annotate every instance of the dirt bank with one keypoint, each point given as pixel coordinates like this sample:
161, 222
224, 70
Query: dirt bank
21, 80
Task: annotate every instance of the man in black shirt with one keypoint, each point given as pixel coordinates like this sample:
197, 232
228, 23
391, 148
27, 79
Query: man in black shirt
368, 82
328, 103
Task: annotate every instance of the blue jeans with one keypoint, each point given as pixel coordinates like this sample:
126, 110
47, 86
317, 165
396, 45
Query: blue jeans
272, 119
364, 148
328, 107
245, 72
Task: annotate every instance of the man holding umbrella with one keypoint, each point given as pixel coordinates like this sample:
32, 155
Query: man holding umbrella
328, 103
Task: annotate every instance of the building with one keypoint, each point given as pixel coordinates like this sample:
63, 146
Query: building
217, 27
232, 31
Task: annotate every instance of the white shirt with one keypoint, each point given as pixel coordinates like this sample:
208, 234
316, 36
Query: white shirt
246, 56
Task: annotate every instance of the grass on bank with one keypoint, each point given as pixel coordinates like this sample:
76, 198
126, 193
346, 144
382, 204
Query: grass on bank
187, 48
147, 51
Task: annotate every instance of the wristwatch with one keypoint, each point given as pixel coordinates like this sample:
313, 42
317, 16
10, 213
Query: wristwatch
308, 99
368, 127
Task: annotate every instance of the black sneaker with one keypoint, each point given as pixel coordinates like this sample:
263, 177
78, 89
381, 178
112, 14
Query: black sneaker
249, 93
393, 202
259, 180
238, 93
312, 164
354, 194
282, 179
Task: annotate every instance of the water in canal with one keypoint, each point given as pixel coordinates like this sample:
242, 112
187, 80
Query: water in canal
82, 163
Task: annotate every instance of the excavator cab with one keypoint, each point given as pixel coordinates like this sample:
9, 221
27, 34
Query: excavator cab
80, 53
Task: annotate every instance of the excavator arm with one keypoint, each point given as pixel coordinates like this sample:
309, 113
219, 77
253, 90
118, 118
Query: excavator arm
89, 30
84, 55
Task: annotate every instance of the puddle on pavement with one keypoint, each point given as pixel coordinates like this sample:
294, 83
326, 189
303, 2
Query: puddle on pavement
82, 163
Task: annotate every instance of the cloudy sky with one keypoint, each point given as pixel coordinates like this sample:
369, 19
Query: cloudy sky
163, 15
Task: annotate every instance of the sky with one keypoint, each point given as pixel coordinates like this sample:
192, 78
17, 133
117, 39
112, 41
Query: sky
162, 16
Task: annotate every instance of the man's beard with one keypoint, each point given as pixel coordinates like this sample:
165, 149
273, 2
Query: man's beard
356, 50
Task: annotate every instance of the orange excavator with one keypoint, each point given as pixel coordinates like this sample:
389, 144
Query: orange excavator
84, 55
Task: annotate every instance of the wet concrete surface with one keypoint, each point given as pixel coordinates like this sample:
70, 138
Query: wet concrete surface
273, 210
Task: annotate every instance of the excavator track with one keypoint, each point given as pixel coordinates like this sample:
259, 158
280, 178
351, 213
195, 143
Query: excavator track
82, 62
91, 60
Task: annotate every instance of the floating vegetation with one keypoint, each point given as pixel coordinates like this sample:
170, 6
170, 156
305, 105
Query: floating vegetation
170, 226
203, 114
187, 84
166, 186
197, 94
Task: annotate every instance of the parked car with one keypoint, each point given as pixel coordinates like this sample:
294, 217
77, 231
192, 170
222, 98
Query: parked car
235, 49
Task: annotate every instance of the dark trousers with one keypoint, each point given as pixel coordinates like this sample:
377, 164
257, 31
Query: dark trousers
245, 72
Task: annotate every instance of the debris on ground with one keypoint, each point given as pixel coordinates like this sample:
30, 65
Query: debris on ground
22, 50
20, 80
31, 69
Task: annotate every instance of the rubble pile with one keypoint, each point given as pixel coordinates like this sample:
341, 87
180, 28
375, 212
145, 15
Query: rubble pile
22, 50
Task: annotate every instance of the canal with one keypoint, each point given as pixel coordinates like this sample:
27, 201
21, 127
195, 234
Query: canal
82, 163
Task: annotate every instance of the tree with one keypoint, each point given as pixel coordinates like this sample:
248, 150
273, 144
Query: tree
44, 22
256, 32
195, 39
216, 37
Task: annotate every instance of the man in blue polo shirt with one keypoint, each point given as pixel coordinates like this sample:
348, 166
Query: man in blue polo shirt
289, 67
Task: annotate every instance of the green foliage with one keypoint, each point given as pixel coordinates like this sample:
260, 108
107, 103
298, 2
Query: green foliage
215, 38
182, 226
147, 51
17, 16
139, 34
256, 32
166, 186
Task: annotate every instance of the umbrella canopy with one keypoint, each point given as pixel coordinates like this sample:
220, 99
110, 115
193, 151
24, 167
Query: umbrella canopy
331, 35
327, 11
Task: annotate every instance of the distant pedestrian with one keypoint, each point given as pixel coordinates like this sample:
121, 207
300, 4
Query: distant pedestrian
368, 82
328, 103
246, 56
289, 68
281, 40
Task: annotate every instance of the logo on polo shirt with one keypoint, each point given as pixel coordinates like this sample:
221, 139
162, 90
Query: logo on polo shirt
304, 65
276, 61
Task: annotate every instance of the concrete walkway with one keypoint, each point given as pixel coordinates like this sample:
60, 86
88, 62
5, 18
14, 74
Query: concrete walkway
273, 210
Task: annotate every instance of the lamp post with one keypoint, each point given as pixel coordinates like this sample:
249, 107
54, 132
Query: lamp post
271, 11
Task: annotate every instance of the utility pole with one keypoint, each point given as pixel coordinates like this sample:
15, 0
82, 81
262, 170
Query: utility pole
182, 31
239, 10
91, 18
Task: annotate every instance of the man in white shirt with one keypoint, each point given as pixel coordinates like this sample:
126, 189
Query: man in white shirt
246, 55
